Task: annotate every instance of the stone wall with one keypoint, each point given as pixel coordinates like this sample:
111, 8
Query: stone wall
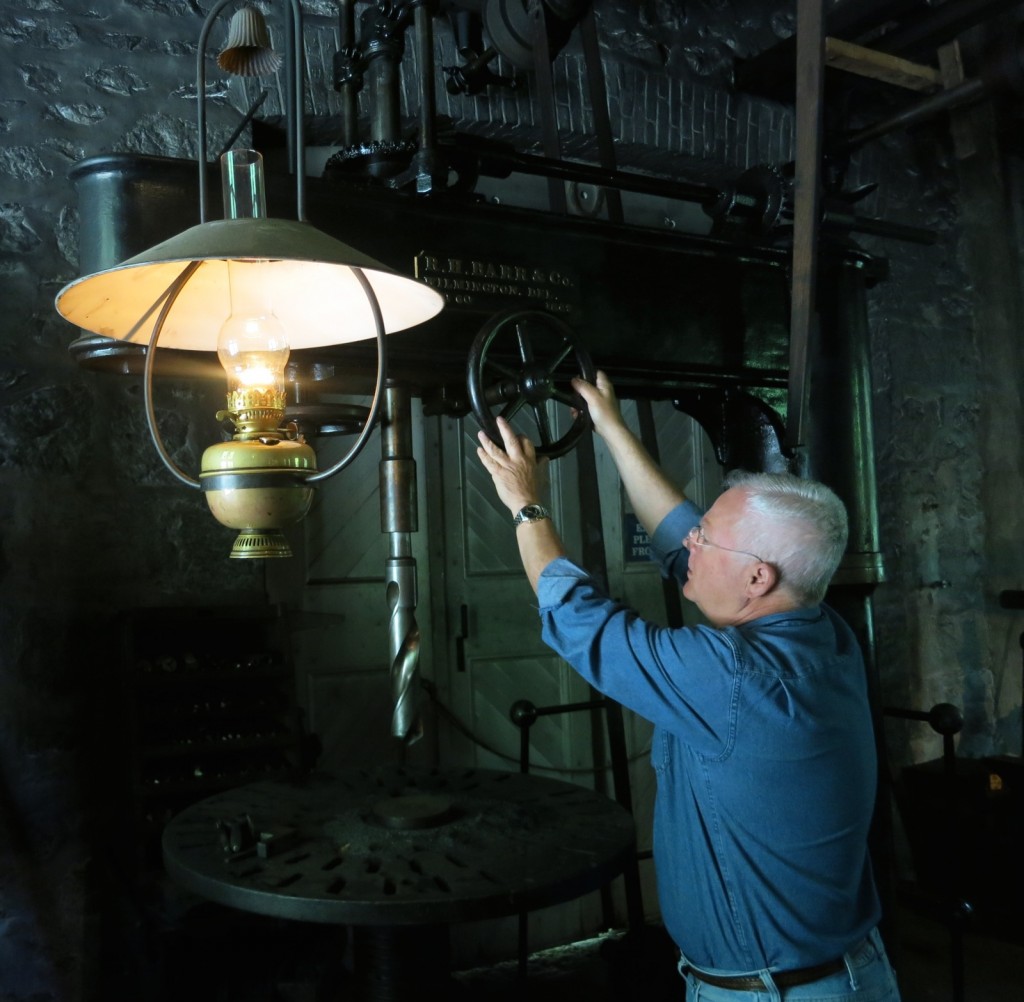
92, 524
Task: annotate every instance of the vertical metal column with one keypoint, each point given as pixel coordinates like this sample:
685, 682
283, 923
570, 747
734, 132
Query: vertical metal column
840, 451
398, 520
427, 164
382, 46
348, 79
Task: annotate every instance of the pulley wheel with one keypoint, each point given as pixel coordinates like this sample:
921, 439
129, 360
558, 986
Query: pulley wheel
521, 360
511, 25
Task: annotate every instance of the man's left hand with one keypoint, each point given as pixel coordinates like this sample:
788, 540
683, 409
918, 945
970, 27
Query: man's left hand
517, 473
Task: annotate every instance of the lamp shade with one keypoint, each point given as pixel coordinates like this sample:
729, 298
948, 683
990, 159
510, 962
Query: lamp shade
310, 281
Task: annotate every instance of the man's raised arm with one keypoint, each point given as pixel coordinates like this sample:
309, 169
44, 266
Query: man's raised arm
652, 494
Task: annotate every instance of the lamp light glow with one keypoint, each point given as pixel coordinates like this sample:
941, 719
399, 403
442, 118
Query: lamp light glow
253, 348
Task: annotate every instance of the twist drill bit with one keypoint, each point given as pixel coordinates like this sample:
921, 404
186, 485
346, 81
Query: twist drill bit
404, 646
398, 520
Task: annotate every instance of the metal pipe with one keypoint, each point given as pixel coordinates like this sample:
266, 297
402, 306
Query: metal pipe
423, 24
293, 49
350, 88
840, 446
500, 163
297, 132
383, 45
427, 167
969, 92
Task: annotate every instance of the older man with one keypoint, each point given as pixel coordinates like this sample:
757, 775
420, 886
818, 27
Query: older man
763, 744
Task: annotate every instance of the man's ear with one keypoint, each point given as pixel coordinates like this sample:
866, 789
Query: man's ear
763, 579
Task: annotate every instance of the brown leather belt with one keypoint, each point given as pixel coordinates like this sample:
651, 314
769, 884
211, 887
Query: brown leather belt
782, 979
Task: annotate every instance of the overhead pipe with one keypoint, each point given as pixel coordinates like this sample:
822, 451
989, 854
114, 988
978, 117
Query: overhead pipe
742, 199
1003, 70
968, 93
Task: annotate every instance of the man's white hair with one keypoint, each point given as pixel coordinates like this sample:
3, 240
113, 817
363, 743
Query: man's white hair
799, 526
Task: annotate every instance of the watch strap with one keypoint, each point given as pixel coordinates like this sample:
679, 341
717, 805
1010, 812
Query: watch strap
531, 513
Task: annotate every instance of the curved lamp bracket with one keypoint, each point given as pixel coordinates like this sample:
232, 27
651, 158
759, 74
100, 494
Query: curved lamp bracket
169, 297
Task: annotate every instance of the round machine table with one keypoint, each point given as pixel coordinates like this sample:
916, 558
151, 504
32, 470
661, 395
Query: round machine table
399, 855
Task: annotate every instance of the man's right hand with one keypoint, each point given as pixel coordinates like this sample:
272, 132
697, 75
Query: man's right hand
601, 402
652, 494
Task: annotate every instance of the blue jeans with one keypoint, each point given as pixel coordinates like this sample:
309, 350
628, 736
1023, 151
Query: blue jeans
868, 977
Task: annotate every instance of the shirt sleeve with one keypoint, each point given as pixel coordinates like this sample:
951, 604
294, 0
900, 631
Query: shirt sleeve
667, 542
682, 679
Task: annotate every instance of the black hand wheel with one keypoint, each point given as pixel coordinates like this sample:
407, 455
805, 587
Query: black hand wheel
524, 358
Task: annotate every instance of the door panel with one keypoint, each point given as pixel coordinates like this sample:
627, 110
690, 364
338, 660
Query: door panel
339, 612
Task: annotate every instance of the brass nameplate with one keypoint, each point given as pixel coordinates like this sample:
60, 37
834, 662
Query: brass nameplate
492, 285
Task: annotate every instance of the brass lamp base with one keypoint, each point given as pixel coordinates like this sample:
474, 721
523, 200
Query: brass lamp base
258, 487
260, 544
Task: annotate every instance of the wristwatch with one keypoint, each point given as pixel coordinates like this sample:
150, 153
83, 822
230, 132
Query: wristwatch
531, 513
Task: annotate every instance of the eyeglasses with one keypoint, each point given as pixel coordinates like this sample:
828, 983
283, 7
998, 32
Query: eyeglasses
697, 537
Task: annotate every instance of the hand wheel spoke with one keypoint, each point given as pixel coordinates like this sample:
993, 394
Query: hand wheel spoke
523, 341
540, 413
566, 397
503, 370
567, 350
513, 407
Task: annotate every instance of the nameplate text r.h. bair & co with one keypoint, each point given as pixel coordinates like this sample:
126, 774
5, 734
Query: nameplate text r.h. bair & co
490, 285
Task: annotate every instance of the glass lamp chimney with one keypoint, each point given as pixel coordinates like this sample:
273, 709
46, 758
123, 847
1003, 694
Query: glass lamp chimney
253, 348
241, 178
253, 343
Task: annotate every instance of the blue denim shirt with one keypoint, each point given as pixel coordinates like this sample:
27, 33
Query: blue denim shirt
765, 759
